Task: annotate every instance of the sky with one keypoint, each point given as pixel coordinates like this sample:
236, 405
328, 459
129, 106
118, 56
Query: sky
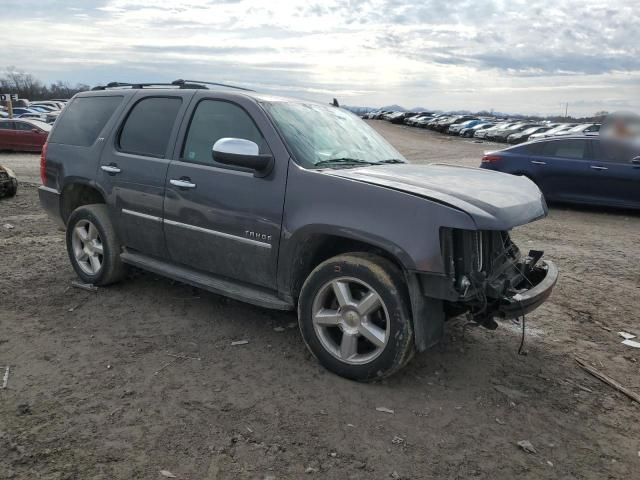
511, 56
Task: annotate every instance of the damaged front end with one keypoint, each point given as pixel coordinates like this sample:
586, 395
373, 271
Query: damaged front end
488, 277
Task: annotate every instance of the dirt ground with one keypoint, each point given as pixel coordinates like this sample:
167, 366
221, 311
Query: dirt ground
142, 377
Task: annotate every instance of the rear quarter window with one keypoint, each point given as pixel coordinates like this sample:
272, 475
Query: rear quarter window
84, 119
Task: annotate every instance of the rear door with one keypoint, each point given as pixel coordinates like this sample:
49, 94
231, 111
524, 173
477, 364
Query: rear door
562, 170
226, 221
133, 167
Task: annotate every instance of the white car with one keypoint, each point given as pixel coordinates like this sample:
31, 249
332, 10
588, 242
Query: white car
583, 129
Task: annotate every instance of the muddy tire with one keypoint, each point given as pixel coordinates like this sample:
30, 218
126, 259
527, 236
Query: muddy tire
354, 316
93, 246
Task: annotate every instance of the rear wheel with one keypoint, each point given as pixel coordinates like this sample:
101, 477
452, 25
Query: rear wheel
93, 247
354, 316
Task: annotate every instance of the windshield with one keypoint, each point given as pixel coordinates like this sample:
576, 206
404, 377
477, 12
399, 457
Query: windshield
322, 136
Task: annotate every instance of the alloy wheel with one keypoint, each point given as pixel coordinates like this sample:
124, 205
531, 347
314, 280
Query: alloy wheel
351, 320
87, 247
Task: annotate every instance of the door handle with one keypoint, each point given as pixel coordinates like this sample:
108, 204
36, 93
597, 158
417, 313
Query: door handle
110, 169
182, 183
596, 167
537, 162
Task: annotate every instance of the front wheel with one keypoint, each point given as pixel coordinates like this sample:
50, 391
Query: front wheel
354, 316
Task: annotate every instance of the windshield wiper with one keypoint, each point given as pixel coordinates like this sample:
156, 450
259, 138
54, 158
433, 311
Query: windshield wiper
346, 161
343, 161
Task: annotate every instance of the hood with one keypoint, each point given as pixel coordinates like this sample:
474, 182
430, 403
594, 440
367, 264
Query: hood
495, 201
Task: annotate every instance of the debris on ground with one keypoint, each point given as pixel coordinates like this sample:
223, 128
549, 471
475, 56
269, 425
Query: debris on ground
239, 342
89, 287
631, 343
511, 393
24, 409
8, 226
183, 357
397, 440
500, 422
527, 446
167, 473
278, 329
5, 379
626, 336
8, 182
385, 410
608, 380
292, 325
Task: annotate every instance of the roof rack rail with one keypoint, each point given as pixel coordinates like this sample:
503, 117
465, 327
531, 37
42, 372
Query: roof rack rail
131, 85
181, 82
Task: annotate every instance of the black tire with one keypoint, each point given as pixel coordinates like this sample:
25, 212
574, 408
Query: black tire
112, 269
387, 281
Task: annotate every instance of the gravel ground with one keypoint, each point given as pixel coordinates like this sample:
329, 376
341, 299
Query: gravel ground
142, 377
25, 165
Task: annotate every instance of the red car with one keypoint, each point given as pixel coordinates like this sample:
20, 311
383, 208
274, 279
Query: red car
23, 135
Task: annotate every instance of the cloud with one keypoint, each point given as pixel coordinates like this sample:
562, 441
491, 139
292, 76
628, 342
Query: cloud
437, 53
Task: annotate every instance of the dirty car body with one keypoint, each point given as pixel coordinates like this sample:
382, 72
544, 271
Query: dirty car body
289, 204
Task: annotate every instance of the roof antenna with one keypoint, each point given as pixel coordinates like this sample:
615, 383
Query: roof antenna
335, 102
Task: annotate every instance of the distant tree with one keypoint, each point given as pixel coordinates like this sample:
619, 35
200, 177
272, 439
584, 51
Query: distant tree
29, 87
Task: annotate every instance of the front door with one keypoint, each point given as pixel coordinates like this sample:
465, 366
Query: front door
28, 137
615, 175
133, 168
220, 219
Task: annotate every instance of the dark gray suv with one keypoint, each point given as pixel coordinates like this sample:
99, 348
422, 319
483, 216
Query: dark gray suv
290, 204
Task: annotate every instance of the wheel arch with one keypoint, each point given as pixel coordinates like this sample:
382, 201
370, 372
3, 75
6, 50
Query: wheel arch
76, 194
313, 248
309, 249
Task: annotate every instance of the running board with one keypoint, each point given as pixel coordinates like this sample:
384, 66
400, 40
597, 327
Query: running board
221, 286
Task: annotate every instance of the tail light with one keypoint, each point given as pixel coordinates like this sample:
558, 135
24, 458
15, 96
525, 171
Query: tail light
491, 158
43, 164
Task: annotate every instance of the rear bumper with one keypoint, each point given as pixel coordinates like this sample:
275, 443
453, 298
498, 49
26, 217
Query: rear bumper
546, 276
50, 203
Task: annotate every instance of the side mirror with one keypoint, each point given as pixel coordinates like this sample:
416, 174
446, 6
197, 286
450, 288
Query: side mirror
242, 153
636, 160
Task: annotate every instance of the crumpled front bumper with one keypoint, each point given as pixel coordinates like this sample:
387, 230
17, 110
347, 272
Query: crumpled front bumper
544, 277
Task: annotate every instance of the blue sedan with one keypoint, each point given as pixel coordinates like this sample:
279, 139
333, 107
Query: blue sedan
580, 170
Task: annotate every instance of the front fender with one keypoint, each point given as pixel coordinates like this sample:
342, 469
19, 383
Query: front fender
404, 225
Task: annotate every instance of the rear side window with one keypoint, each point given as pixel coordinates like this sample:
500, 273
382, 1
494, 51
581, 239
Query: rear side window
24, 126
576, 149
148, 126
84, 119
6, 125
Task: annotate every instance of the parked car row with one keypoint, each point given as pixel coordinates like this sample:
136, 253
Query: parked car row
45, 110
487, 128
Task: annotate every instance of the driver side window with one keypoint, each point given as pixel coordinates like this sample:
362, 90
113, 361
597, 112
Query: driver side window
216, 119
